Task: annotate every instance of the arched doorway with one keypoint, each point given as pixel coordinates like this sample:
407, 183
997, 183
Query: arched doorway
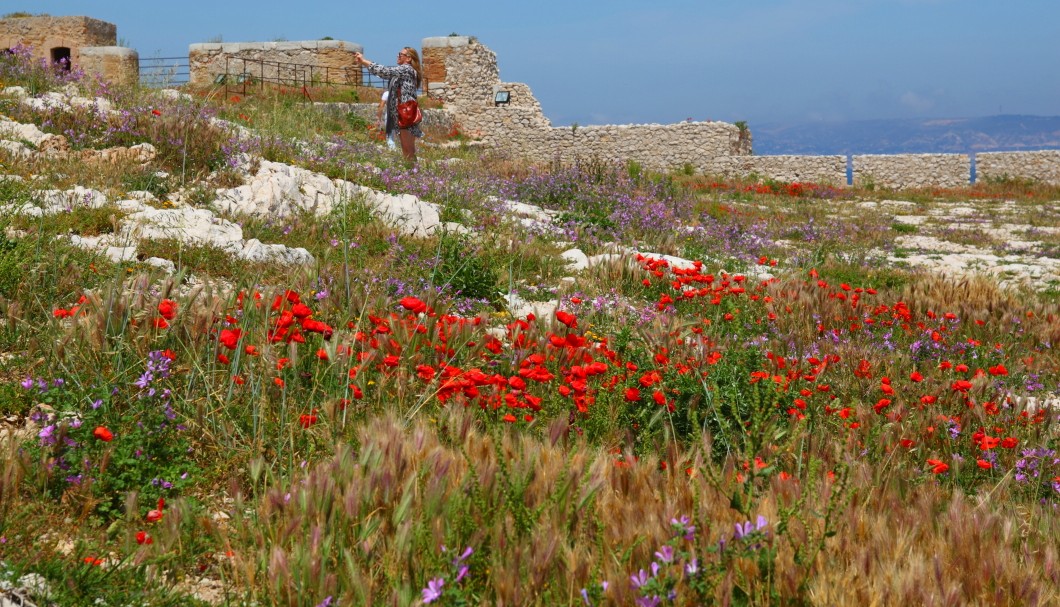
61, 56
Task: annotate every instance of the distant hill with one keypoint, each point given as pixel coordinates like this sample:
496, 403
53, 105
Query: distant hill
909, 136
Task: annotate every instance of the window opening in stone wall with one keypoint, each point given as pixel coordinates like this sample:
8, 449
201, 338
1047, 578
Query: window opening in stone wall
61, 55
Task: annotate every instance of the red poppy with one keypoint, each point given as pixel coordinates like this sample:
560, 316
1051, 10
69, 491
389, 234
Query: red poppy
307, 419
154, 516
103, 434
168, 309
143, 538
938, 466
229, 338
916, 376
567, 318
632, 395
982, 463
998, 369
413, 304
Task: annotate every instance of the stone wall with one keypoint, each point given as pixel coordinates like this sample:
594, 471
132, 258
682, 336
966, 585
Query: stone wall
294, 63
655, 146
47, 35
115, 64
433, 54
912, 170
472, 80
830, 170
1043, 166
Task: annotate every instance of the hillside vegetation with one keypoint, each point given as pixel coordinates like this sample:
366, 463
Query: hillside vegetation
750, 393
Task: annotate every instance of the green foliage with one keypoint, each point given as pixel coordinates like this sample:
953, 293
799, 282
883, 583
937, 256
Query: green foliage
203, 258
100, 443
39, 271
147, 180
462, 269
634, 169
84, 583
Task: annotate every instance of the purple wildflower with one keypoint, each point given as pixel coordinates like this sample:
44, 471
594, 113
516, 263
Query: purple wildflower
433, 591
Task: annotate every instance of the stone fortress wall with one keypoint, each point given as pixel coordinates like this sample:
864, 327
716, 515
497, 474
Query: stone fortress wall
471, 82
1043, 166
86, 43
306, 62
469, 79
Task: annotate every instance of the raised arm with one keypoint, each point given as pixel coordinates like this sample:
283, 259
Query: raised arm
383, 71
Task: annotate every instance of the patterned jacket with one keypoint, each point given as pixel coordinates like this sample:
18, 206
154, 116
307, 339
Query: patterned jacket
402, 88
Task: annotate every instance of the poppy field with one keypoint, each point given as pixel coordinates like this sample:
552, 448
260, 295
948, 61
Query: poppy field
756, 394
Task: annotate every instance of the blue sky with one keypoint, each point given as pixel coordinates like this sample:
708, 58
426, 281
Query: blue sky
619, 61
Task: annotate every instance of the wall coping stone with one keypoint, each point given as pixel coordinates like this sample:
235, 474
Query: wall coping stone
235, 47
445, 41
108, 50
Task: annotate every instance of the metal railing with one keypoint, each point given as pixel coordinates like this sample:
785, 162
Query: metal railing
161, 72
243, 75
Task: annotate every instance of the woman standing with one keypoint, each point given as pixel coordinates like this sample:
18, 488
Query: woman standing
404, 80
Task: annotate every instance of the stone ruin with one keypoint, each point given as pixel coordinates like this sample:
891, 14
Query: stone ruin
75, 43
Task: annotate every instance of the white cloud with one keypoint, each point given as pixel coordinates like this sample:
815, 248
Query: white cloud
916, 102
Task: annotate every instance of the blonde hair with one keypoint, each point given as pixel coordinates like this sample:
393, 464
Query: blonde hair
414, 57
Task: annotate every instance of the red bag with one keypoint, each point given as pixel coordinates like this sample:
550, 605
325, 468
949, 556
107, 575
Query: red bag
409, 114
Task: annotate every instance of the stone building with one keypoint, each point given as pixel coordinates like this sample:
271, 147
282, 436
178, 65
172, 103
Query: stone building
73, 42
56, 38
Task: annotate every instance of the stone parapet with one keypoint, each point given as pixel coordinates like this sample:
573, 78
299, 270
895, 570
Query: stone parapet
912, 170
1042, 166
655, 146
114, 64
830, 170
295, 63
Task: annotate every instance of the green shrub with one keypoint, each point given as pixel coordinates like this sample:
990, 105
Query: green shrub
463, 270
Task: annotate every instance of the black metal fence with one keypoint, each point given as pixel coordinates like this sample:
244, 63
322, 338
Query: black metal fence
162, 72
242, 76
